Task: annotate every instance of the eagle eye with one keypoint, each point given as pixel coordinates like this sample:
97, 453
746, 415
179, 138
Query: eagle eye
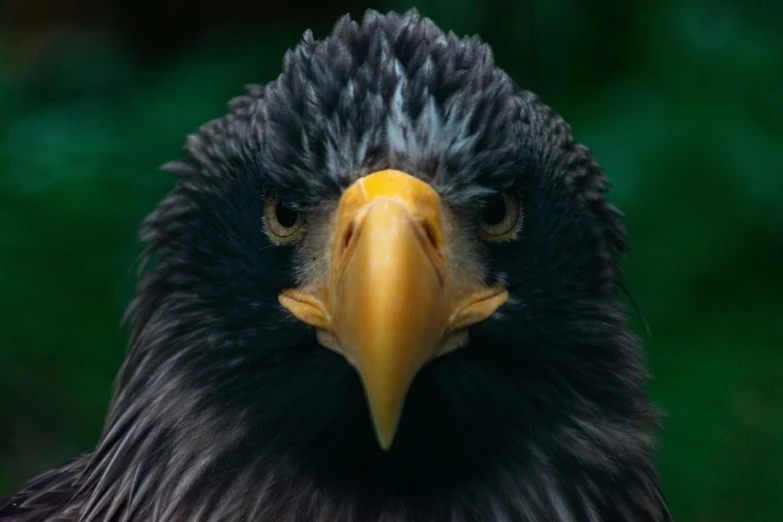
283, 223
501, 215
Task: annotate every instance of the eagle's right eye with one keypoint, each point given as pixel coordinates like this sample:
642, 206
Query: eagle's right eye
283, 224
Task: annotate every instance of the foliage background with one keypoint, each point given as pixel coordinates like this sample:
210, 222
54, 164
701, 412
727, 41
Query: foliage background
680, 100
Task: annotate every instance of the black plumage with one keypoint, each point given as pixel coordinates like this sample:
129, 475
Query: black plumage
228, 408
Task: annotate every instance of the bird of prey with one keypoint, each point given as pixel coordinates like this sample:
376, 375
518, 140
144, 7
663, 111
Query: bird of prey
385, 287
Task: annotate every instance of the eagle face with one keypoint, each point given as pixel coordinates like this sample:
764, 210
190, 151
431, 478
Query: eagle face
385, 286
390, 249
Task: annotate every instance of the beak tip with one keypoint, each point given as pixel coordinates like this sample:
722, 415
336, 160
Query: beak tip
385, 437
385, 418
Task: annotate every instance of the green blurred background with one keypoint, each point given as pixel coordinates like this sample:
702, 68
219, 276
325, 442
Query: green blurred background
682, 102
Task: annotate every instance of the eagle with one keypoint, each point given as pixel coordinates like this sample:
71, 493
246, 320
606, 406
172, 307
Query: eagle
384, 287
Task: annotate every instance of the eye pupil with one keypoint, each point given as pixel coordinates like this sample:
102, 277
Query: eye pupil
495, 210
285, 216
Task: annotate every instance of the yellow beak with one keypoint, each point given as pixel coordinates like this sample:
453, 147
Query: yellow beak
390, 304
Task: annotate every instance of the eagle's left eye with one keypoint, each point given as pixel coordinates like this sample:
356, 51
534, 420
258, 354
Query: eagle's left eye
283, 224
501, 216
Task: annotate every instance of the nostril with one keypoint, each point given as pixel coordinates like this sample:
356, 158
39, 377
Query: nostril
349, 236
432, 235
